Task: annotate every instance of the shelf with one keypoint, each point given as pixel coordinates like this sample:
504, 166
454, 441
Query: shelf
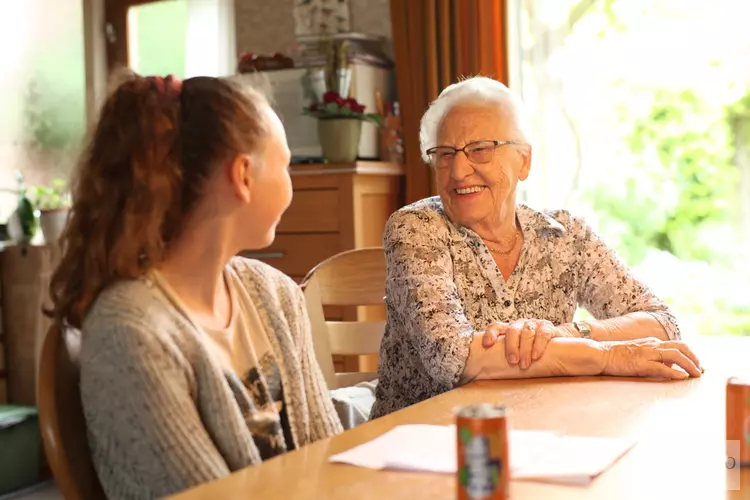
357, 167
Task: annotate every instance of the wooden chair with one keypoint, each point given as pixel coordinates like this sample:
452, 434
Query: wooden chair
61, 419
351, 278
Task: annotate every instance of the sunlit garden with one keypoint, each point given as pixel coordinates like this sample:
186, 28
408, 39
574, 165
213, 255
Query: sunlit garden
641, 114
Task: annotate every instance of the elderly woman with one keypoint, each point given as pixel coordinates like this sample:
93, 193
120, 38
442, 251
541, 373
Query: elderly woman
472, 264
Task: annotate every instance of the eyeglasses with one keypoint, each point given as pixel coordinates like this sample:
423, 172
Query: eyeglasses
477, 152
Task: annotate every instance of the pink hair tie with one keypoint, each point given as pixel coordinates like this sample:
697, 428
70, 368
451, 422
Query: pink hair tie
170, 84
158, 83
174, 84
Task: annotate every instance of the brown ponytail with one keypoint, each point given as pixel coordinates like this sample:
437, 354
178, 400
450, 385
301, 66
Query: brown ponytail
155, 146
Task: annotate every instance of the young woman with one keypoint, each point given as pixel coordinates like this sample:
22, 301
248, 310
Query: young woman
194, 362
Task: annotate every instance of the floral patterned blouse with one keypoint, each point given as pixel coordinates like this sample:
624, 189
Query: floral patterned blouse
443, 287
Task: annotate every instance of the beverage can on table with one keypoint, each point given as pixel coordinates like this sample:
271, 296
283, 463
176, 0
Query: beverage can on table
738, 420
482, 447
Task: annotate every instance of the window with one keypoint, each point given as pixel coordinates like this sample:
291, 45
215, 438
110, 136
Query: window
42, 93
43, 75
641, 119
182, 37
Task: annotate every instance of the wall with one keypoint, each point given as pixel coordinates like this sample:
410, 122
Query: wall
264, 30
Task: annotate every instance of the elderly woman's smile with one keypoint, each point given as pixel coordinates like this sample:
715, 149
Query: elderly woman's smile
468, 204
469, 191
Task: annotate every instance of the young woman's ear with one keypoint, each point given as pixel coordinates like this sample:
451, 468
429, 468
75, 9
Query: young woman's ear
240, 176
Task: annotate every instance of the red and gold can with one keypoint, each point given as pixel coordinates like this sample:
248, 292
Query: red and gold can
482, 446
738, 420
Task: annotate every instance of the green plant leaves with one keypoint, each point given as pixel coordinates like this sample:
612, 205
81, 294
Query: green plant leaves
332, 108
465, 435
463, 476
50, 197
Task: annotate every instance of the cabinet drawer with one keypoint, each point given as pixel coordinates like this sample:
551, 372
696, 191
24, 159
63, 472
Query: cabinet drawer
312, 211
296, 254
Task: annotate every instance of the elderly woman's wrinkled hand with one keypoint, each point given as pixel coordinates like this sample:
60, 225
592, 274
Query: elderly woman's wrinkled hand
525, 339
650, 357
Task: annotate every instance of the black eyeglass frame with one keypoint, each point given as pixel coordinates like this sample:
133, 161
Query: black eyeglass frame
467, 151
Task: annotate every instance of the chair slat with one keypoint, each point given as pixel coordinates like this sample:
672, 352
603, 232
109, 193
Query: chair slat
355, 338
353, 278
321, 341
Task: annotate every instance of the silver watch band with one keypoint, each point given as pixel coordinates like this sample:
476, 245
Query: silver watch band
583, 328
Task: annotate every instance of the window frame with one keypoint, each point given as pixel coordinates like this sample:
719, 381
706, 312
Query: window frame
116, 31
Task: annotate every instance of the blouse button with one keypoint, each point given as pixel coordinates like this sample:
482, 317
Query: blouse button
507, 303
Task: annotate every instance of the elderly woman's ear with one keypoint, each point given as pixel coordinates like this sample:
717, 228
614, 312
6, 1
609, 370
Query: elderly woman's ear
525, 152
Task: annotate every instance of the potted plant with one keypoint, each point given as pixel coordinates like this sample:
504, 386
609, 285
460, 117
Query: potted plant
340, 126
53, 205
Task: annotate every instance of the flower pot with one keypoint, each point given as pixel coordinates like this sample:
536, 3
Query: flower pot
53, 222
339, 138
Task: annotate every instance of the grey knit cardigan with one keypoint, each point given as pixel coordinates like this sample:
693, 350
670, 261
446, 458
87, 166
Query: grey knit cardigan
162, 414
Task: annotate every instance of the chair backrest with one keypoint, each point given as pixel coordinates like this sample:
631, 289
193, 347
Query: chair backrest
351, 278
61, 419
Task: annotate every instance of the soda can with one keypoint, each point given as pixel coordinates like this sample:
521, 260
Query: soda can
482, 447
738, 419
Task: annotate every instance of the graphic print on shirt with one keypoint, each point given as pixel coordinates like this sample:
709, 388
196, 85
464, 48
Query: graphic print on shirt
264, 387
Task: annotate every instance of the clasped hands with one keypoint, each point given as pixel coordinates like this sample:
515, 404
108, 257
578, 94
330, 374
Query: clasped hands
526, 341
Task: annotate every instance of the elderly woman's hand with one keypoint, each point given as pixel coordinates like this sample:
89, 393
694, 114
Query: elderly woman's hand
525, 339
650, 357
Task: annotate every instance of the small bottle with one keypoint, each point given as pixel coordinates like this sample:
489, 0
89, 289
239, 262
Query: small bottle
25, 211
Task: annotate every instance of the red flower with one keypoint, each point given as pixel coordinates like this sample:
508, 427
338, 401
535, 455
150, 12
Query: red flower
331, 96
356, 107
340, 101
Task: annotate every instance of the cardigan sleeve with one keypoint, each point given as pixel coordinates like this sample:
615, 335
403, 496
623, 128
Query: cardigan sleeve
324, 419
289, 301
424, 306
607, 288
140, 414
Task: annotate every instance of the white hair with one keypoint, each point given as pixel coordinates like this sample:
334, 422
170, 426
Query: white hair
475, 90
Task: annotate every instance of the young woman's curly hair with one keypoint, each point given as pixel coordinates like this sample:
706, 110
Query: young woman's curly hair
157, 143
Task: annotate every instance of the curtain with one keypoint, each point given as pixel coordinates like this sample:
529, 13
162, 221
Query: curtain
436, 42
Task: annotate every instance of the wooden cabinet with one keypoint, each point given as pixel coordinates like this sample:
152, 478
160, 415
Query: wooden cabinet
335, 208
25, 272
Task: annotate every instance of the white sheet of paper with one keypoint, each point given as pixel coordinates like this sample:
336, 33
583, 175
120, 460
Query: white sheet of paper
534, 455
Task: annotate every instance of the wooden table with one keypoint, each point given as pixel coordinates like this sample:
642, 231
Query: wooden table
679, 427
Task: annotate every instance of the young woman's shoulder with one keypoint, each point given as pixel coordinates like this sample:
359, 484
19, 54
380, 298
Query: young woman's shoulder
266, 279
128, 301
130, 325
132, 306
278, 294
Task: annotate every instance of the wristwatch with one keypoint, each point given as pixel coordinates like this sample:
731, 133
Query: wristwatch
583, 328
